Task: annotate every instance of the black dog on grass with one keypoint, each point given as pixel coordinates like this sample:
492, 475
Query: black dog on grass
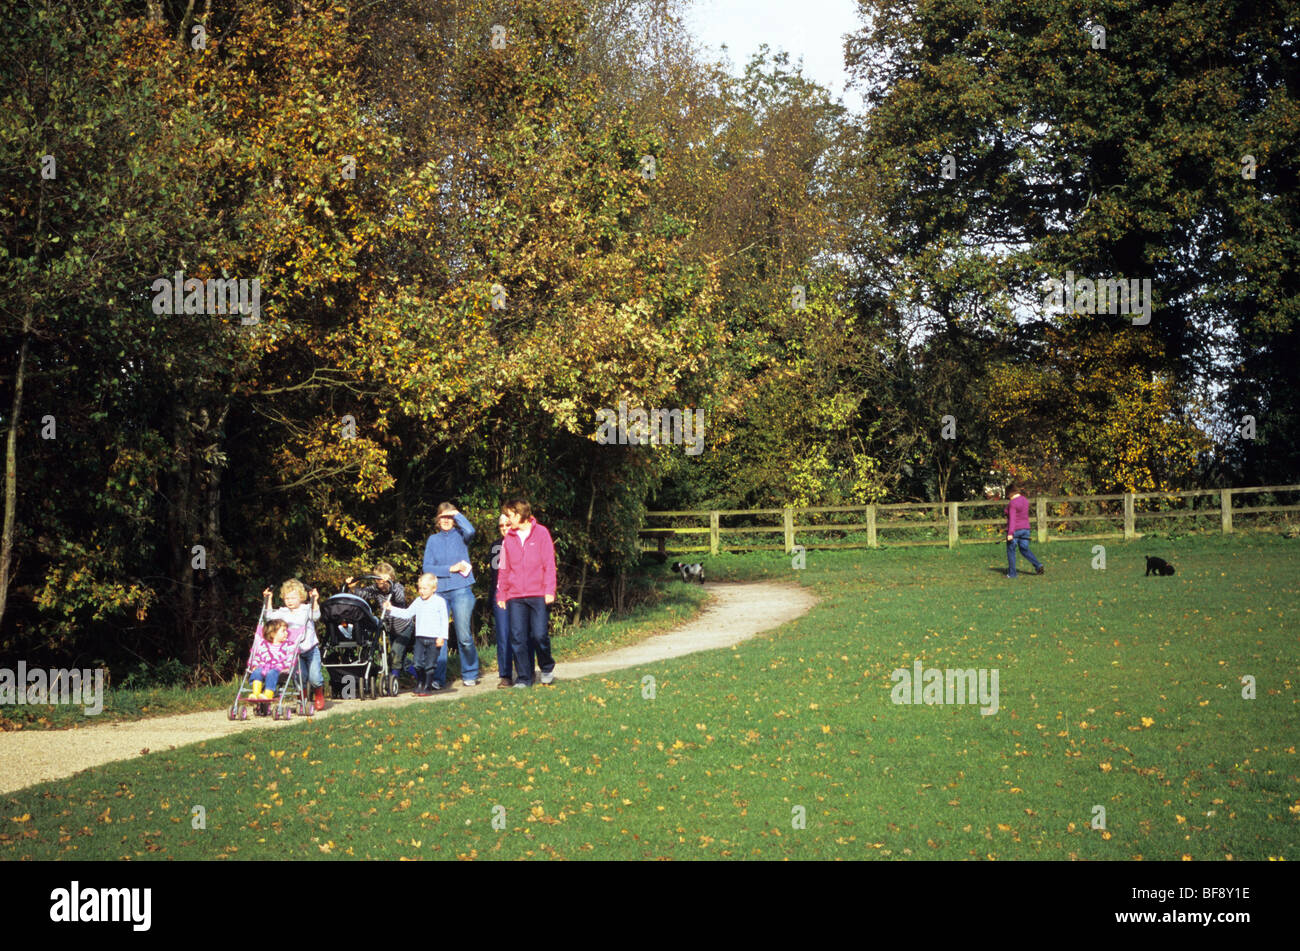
689, 572
1159, 566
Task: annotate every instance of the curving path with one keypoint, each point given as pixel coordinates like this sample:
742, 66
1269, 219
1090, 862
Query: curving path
735, 612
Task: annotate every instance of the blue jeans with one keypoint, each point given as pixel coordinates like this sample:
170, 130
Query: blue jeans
431, 661
505, 656
529, 623
460, 605
269, 677
309, 667
1020, 539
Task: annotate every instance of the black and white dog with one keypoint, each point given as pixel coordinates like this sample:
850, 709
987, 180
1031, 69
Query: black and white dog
1159, 566
689, 572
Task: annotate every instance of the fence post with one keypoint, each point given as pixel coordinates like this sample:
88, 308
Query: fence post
713, 533
1225, 510
1042, 519
952, 524
1130, 531
788, 517
871, 527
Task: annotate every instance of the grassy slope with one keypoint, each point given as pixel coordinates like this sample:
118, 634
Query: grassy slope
1116, 690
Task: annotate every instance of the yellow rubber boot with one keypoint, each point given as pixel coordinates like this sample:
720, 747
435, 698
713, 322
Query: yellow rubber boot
257, 690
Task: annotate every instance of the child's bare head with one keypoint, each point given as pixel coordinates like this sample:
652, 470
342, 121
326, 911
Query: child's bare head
387, 576
428, 585
293, 592
275, 631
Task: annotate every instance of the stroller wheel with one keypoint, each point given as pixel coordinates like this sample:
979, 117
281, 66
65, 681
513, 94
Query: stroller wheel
232, 713
393, 688
288, 713
275, 713
243, 713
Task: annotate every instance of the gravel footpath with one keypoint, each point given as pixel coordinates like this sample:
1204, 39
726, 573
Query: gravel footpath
734, 613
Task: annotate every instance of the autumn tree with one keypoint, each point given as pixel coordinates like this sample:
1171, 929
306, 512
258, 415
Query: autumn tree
1009, 143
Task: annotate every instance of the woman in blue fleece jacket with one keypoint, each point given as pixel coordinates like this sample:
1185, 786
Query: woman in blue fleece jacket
446, 557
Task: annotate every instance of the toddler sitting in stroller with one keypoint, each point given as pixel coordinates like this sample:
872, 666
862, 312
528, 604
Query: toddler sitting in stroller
273, 655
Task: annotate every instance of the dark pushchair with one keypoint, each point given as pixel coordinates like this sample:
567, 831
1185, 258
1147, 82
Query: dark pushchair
354, 648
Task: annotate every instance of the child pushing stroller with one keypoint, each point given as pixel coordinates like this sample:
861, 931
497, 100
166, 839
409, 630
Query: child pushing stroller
302, 622
384, 586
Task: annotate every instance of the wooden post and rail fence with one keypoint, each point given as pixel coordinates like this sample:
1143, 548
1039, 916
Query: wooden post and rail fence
1053, 518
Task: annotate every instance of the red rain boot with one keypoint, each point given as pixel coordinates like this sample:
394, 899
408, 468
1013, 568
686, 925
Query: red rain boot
319, 700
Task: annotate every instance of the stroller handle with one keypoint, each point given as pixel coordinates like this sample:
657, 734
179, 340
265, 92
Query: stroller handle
261, 619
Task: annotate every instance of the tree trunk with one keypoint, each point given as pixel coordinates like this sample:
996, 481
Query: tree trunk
182, 536
11, 469
943, 472
11, 442
212, 602
582, 582
620, 587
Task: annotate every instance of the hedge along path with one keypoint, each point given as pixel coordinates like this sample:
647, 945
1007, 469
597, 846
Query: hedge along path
734, 613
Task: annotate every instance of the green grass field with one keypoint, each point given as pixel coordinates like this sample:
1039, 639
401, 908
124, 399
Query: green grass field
1115, 690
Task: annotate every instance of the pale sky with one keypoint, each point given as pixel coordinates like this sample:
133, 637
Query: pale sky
812, 29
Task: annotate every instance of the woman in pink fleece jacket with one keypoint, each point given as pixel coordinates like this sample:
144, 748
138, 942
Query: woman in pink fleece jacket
1018, 531
526, 589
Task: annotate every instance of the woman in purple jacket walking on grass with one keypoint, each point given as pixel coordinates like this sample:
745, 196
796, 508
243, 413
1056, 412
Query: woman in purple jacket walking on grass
1018, 531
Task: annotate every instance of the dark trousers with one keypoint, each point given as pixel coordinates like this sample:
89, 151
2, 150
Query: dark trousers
529, 623
401, 637
431, 660
505, 654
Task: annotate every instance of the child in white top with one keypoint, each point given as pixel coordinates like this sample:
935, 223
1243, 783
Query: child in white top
302, 632
431, 621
